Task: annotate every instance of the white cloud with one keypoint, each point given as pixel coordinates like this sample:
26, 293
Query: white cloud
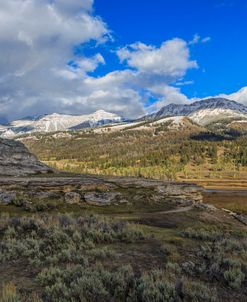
80, 67
198, 39
239, 96
156, 69
90, 64
37, 38
170, 95
172, 59
117, 91
206, 39
126, 102
72, 7
195, 39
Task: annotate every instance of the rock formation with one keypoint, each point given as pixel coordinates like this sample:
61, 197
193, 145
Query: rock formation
17, 165
99, 191
16, 160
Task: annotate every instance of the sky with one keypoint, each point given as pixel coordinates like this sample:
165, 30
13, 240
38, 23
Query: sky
129, 57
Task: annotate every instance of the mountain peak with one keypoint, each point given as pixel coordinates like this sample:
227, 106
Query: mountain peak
59, 122
209, 103
215, 107
217, 102
101, 111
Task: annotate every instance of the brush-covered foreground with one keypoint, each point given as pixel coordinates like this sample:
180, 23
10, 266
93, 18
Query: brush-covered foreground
198, 255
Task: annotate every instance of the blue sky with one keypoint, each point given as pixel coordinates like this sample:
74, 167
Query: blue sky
222, 62
129, 57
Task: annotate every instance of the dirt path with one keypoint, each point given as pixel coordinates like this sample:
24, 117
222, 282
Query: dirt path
178, 210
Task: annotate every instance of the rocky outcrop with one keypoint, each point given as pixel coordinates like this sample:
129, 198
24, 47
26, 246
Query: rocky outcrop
180, 193
72, 198
102, 198
101, 191
240, 217
7, 197
16, 160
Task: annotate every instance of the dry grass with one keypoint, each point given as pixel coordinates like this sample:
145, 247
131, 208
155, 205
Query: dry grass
235, 201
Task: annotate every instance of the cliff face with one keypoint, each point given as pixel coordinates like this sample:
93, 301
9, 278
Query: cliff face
99, 191
16, 160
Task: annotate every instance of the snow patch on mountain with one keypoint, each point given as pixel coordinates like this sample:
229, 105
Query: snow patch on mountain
207, 116
58, 122
177, 120
212, 103
203, 112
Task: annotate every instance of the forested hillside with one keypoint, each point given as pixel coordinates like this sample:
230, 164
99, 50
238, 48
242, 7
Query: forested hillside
157, 154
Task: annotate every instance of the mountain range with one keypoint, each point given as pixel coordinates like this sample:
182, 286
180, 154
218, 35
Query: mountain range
203, 113
58, 122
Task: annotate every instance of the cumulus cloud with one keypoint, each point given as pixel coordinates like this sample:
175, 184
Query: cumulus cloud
171, 59
169, 95
40, 73
72, 7
239, 96
37, 40
157, 69
79, 68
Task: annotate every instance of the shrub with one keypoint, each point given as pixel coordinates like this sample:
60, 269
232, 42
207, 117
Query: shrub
198, 292
234, 277
202, 234
173, 268
80, 284
9, 293
101, 253
214, 263
62, 239
155, 287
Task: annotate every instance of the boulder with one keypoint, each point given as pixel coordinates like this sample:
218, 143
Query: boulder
7, 197
181, 193
16, 160
241, 217
72, 198
101, 198
206, 206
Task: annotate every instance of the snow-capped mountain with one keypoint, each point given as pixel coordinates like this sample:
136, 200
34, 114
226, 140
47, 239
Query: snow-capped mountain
207, 116
58, 122
204, 111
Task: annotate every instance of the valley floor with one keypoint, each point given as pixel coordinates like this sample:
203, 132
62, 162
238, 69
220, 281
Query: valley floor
149, 249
